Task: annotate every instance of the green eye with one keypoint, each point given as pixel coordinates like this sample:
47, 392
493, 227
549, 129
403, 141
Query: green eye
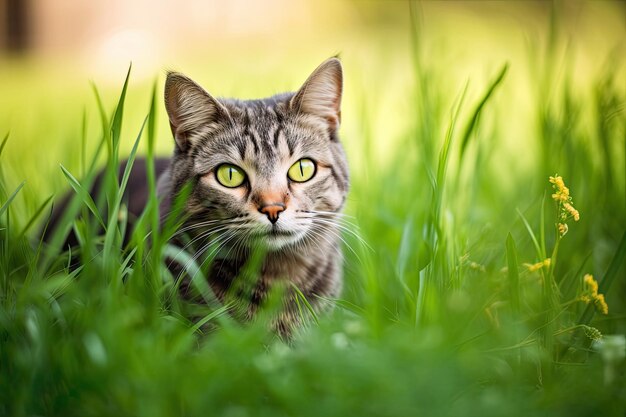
302, 171
230, 176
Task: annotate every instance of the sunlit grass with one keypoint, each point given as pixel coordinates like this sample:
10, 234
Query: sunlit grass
462, 297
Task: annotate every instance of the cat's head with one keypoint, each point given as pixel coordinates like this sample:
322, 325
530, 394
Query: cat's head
269, 170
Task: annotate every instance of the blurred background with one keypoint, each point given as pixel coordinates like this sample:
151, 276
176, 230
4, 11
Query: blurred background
406, 65
52, 48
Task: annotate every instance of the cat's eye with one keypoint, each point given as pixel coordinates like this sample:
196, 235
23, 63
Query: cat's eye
230, 176
303, 170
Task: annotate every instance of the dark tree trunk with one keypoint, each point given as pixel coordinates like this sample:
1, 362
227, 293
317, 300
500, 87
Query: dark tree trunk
16, 25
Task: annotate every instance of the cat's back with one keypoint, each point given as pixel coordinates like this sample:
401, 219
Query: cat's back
138, 188
136, 194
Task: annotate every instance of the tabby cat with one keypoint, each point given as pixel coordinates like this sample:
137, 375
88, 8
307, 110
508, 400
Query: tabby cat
269, 171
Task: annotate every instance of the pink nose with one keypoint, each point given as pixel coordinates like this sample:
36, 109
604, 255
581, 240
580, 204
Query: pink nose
272, 211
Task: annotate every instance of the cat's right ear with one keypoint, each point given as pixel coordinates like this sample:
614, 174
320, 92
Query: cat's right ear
192, 111
320, 95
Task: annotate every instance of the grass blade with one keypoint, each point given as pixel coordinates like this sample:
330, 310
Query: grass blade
540, 255
35, 216
4, 142
213, 315
113, 217
5, 206
301, 298
193, 270
472, 123
513, 274
116, 123
103, 114
83, 194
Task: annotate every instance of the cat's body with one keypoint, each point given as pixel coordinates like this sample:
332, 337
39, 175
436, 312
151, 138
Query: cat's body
267, 173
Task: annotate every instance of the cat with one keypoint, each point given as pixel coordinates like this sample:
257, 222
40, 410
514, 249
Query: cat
269, 172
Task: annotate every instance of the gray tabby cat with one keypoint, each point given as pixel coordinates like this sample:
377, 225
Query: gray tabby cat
269, 172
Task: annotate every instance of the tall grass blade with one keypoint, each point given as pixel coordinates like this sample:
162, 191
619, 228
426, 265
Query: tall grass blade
445, 149
540, 254
542, 229
301, 300
405, 250
35, 216
4, 142
221, 311
152, 206
513, 274
473, 121
64, 224
104, 121
83, 145
112, 230
193, 270
83, 194
116, 123
7, 203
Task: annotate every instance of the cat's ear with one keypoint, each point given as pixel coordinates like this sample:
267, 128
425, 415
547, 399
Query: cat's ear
192, 111
321, 93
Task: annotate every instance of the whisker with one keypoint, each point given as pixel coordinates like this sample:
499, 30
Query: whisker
218, 248
322, 236
206, 223
332, 213
211, 232
345, 229
305, 244
334, 233
203, 235
338, 220
237, 242
226, 237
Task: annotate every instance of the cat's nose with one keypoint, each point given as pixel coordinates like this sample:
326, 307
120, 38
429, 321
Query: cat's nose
272, 210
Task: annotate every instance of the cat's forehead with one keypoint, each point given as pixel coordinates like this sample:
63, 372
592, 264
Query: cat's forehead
258, 111
263, 134
270, 128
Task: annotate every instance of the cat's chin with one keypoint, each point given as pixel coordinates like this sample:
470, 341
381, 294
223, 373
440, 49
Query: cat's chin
278, 240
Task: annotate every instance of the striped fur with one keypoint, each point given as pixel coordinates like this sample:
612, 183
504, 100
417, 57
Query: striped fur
264, 138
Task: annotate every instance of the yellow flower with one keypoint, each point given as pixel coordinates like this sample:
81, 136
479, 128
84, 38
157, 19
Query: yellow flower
565, 206
572, 211
535, 267
562, 192
558, 181
590, 294
591, 284
600, 305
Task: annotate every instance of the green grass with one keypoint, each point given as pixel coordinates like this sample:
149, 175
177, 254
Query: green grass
440, 313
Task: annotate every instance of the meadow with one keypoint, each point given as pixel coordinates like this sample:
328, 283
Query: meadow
484, 266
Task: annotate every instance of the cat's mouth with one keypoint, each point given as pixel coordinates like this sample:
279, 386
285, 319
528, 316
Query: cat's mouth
279, 232
274, 231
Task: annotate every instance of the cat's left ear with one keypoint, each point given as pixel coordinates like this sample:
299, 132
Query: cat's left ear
192, 111
321, 93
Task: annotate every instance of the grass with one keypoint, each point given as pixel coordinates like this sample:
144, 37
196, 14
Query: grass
442, 312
